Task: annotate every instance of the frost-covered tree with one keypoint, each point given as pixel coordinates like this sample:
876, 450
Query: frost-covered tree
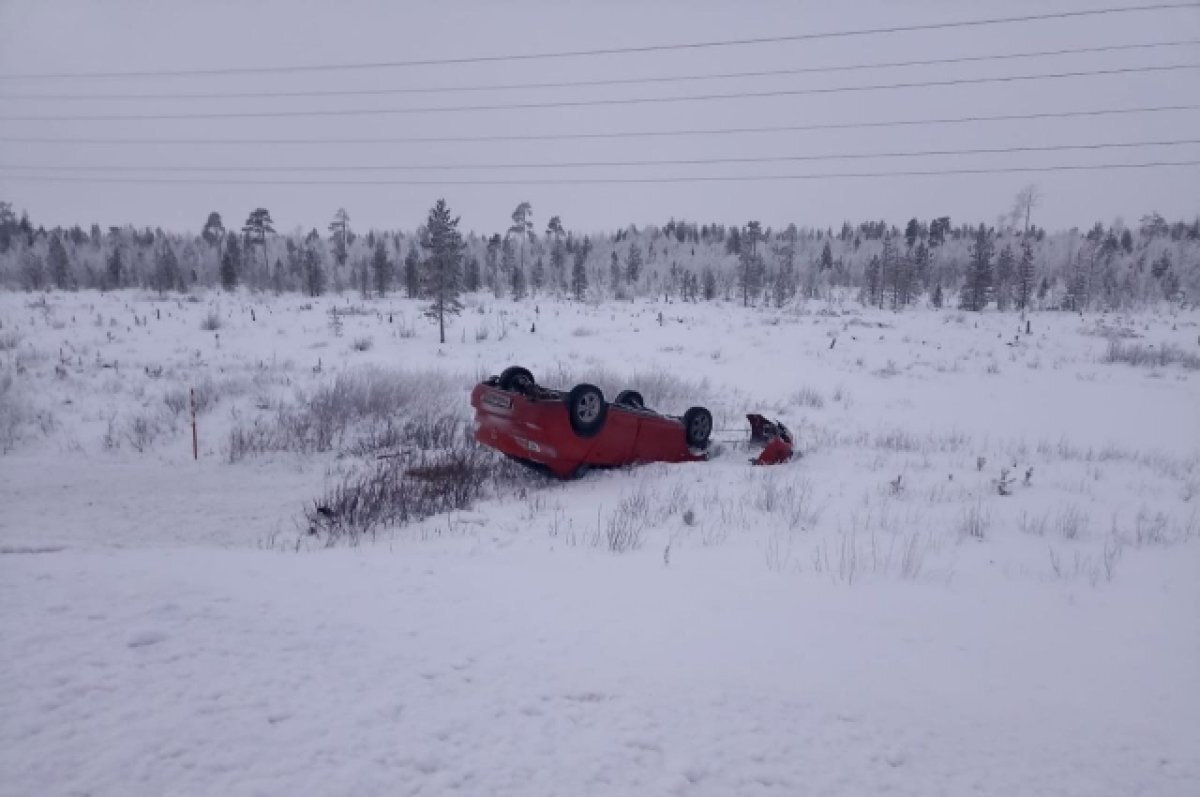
1027, 199
537, 277
442, 269
709, 284
59, 263
633, 264
381, 266
213, 234
750, 263
1006, 272
579, 278
339, 236
231, 263
116, 267
412, 272
166, 268
1025, 275
522, 228
256, 229
873, 282
976, 293
314, 269
471, 275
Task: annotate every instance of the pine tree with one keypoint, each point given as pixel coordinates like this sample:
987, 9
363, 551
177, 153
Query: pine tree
826, 261
873, 282
471, 277
442, 272
382, 268
229, 275
508, 260
339, 230
976, 292
1005, 274
256, 229
614, 272
166, 268
412, 272
890, 276
522, 228
60, 263
750, 264
492, 263
1025, 276
709, 283
937, 297
314, 270
213, 234
116, 267
231, 263
558, 254
518, 282
633, 264
579, 279
538, 277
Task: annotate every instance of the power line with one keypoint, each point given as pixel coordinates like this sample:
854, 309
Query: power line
608, 164
723, 131
600, 102
616, 50
612, 180
213, 95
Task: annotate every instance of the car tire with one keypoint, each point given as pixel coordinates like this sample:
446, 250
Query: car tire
631, 399
697, 427
517, 379
586, 409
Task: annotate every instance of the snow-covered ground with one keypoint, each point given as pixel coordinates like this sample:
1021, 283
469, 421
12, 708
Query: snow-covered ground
873, 617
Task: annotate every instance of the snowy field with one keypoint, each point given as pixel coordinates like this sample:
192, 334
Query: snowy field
981, 577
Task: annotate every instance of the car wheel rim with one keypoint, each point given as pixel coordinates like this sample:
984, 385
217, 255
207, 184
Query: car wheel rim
588, 408
700, 427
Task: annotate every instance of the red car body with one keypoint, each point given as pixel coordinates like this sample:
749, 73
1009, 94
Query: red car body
534, 426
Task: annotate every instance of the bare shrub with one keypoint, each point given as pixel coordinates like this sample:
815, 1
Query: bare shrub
18, 415
624, 527
1138, 354
398, 490
1070, 522
141, 431
9, 340
211, 322
363, 410
179, 400
807, 397
1032, 525
974, 522
363, 343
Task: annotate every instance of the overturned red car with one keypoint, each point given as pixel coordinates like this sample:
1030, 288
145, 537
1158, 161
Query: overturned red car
568, 432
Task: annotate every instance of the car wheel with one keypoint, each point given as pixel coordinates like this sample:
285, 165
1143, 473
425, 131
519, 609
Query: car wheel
517, 379
697, 426
631, 399
587, 410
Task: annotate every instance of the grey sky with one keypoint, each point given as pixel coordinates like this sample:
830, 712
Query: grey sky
122, 35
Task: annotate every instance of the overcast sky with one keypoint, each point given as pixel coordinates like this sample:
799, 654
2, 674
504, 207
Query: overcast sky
53, 36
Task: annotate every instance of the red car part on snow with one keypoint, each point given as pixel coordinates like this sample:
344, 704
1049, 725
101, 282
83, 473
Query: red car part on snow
545, 427
534, 424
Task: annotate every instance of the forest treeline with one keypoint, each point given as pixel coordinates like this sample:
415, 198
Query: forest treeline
1011, 264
